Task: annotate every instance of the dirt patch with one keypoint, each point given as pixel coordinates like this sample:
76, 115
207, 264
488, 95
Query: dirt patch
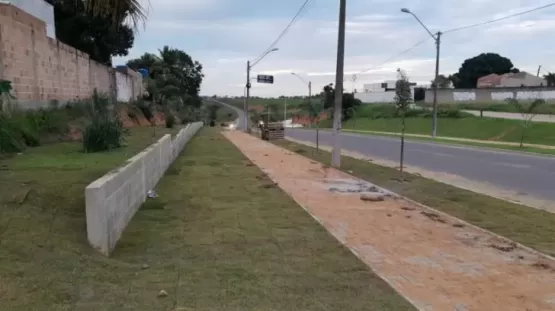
435, 266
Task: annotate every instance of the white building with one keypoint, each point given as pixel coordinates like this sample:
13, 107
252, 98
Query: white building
381, 92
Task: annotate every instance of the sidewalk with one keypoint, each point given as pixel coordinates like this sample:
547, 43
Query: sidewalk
434, 260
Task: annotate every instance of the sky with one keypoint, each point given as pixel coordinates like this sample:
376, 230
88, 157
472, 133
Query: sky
223, 34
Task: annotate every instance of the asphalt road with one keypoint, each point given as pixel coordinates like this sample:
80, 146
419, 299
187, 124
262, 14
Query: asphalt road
526, 174
240, 121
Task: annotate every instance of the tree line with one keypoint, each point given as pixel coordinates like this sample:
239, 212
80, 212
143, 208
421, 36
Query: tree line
482, 65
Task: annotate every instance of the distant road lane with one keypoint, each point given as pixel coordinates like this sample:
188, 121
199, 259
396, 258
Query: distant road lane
526, 174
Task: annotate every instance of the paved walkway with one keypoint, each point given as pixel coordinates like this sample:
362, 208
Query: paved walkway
434, 260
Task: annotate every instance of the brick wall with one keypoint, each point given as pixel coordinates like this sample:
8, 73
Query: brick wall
43, 69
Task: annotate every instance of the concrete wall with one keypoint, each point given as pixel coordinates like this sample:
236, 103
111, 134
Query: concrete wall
39, 9
112, 200
43, 69
498, 94
376, 97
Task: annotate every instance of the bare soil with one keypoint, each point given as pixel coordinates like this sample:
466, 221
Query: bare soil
436, 261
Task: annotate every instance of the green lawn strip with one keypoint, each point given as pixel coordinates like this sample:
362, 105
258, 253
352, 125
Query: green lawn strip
526, 225
43, 246
213, 239
470, 127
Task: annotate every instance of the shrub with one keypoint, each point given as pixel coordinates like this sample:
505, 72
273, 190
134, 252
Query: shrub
145, 109
10, 135
170, 120
212, 123
103, 134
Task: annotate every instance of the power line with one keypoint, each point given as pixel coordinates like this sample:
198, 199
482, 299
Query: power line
501, 18
397, 55
284, 32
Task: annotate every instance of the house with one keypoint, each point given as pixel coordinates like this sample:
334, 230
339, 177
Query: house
518, 79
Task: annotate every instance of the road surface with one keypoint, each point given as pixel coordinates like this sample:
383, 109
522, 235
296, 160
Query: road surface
521, 173
513, 116
240, 121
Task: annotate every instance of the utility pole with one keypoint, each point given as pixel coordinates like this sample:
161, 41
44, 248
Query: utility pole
285, 110
310, 108
336, 146
539, 69
434, 107
246, 105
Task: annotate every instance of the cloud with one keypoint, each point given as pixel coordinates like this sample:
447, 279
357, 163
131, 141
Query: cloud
223, 35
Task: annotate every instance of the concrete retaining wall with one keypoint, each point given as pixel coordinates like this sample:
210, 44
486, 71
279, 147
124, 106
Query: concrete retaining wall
112, 200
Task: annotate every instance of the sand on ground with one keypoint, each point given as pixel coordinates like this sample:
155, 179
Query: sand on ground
435, 261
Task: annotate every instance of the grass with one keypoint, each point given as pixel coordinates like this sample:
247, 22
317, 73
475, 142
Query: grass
468, 127
526, 225
548, 108
214, 239
44, 252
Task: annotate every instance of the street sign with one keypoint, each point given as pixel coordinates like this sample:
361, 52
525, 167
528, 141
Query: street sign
265, 79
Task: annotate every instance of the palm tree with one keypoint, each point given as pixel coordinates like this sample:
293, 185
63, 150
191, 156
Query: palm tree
550, 78
119, 11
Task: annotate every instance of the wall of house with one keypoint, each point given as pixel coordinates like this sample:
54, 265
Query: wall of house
43, 69
497, 94
529, 80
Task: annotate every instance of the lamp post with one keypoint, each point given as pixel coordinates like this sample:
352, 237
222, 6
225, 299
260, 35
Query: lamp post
437, 39
248, 86
309, 84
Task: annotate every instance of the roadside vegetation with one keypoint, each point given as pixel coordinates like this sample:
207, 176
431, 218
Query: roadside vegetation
547, 108
452, 122
228, 240
529, 226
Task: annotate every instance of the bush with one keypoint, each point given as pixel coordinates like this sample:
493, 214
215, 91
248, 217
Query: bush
10, 136
212, 123
103, 134
170, 120
145, 109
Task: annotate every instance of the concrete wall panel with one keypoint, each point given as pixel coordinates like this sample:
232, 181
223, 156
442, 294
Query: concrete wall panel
112, 200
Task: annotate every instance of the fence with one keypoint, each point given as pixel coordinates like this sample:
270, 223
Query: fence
43, 69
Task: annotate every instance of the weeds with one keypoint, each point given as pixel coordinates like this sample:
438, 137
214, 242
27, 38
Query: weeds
170, 120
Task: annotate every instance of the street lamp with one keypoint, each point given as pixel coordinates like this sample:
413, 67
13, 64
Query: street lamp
437, 39
309, 84
248, 85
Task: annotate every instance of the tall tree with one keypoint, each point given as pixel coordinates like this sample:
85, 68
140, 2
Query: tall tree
550, 78
118, 12
350, 103
479, 66
97, 36
173, 74
443, 82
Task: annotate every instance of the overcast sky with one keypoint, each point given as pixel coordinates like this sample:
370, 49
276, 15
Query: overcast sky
224, 34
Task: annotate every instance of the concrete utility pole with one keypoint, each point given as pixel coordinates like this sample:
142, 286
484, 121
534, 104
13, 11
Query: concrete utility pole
285, 110
336, 146
248, 86
437, 39
246, 105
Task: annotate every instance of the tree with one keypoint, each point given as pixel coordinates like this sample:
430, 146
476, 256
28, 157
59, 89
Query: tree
97, 36
172, 75
116, 11
443, 82
349, 101
528, 112
403, 98
479, 66
550, 78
